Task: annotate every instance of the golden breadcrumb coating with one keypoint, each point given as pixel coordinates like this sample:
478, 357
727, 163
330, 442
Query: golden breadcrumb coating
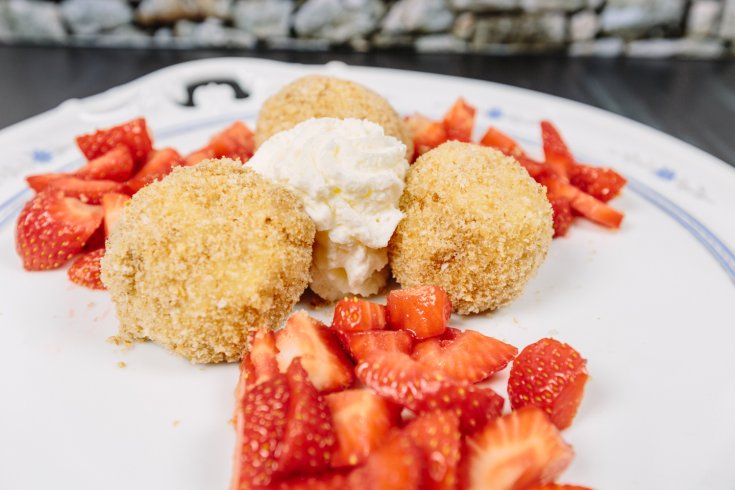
207, 254
476, 224
323, 96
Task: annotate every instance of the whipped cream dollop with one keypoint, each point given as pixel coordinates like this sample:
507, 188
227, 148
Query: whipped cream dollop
349, 175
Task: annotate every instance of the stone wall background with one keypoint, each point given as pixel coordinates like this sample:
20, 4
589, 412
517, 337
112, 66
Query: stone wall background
637, 28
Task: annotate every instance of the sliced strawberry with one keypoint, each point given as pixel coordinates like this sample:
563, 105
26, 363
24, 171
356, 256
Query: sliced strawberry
52, 228
437, 436
236, 141
427, 348
474, 405
586, 205
199, 155
515, 451
427, 134
260, 427
551, 376
358, 315
397, 377
494, 138
159, 164
325, 481
86, 270
95, 241
87, 191
309, 439
360, 344
361, 420
117, 164
558, 486
397, 464
450, 333
133, 135
113, 204
424, 311
41, 181
321, 354
600, 183
470, 357
563, 217
262, 355
556, 151
459, 121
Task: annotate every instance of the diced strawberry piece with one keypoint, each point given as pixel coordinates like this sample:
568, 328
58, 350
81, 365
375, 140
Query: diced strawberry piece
556, 151
86, 270
40, 182
563, 217
199, 155
586, 205
424, 311
459, 121
309, 439
470, 357
133, 134
474, 405
113, 204
494, 138
325, 481
87, 191
551, 376
437, 436
395, 465
450, 333
361, 420
52, 228
427, 134
600, 183
358, 315
427, 348
236, 141
558, 486
321, 354
360, 344
95, 241
397, 377
261, 425
159, 164
536, 170
262, 354
117, 164
515, 451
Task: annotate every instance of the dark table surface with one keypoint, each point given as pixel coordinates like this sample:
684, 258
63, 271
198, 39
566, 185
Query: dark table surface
691, 100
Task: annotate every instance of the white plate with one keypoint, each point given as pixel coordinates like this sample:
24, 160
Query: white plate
650, 306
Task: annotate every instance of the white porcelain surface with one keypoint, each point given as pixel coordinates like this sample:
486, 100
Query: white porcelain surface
651, 306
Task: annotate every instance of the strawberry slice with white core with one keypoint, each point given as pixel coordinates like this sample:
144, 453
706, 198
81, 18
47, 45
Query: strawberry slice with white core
437, 436
113, 204
360, 344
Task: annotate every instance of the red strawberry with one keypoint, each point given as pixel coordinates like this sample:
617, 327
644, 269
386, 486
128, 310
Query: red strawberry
358, 315
325, 481
396, 464
600, 183
589, 207
113, 204
474, 405
133, 135
52, 228
470, 357
427, 134
556, 151
437, 436
459, 121
96, 241
41, 181
427, 348
515, 451
236, 141
159, 164
321, 354
87, 191
563, 217
450, 333
261, 425
558, 486
361, 419
494, 138
257, 365
397, 377
198, 155
424, 311
85, 271
360, 344
551, 376
117, 164
309, 439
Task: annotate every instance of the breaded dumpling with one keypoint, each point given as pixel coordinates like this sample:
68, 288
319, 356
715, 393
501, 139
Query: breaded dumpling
476, 224
323, 96
204, 256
